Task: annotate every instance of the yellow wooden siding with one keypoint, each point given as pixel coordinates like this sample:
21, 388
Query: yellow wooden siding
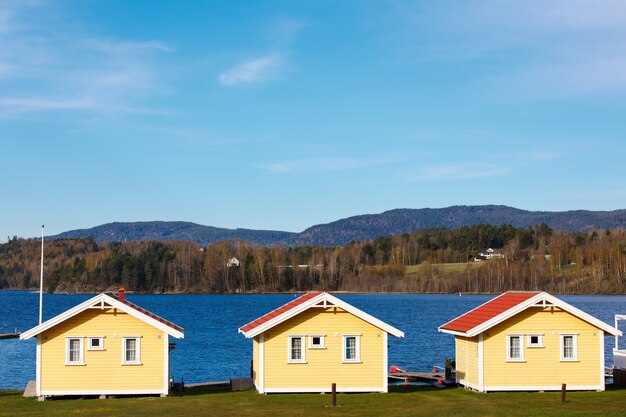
324, 366
102, 369
467, 360
542, 367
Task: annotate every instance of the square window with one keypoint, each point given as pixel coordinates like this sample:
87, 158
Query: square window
296, 352
535, 340
514, 348
316, 342
351, 349
131, 351
95, 343
74, 351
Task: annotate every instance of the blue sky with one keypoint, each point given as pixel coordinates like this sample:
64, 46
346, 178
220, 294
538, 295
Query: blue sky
285, 114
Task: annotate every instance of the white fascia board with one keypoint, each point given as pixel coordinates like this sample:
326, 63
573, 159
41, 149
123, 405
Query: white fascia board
61, 317
584, 316
475, 308
333, 302
145, 318
542, 297
505, 315
282, 317
364, 316
113, 303
454, 332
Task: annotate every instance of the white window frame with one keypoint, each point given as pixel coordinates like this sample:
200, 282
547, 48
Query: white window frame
357, 358
302, 358
530, 344
321, 345
574, 337
92, 338
137, 361
81, 359
508, 348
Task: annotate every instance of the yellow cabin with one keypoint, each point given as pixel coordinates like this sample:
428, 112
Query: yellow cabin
529, 341
103, 346
317, 340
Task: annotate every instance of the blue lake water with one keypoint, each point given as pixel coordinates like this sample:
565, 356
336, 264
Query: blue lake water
213, 350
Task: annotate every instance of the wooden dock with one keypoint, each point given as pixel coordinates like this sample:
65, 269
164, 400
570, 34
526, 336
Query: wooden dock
10, 335
432, 378
208, 384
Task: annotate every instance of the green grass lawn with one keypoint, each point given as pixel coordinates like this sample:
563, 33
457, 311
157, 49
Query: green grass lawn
401, 401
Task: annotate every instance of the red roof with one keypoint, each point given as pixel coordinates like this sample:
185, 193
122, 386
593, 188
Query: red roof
487, 311
149, 314
280, 310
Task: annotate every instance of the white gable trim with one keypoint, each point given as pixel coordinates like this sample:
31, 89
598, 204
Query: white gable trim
542, 299
458, 333
101, 301
327, 300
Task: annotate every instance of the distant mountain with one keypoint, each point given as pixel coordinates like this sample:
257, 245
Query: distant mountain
158, 230
400, 221
359, 228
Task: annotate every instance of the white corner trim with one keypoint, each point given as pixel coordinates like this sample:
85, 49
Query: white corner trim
38, 368
602, 380
166, 363
481, 362
261, 365
385, 362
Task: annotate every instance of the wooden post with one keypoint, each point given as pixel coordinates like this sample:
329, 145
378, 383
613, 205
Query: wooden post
334, 391
563, 390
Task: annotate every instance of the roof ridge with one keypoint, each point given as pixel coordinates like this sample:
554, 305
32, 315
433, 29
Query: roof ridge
147, 313
280, 310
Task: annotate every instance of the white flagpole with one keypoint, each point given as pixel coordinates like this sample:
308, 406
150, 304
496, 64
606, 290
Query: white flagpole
41, 279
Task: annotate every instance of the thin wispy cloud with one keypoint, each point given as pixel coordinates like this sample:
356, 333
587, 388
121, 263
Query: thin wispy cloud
253, 71
46, 66
456, 172
321, 164
545, 49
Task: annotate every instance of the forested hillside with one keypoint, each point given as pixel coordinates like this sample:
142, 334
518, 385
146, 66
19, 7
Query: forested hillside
357, 228
393, 222
158, 230
534, 258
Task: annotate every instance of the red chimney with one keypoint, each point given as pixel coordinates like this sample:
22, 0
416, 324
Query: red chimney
121, 294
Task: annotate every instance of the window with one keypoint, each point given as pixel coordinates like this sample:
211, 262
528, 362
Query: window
74, 351
316, 341
535, 340
95, 343
514, 348
569, 347
351, 348
296, 349
131, 351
